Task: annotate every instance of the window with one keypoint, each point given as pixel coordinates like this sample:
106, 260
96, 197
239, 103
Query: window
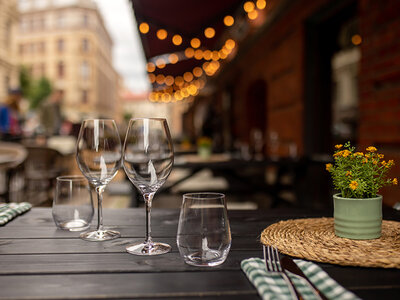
42, 47
85, 45
85, 96
85, 70
85, 20
60, 69
60, 45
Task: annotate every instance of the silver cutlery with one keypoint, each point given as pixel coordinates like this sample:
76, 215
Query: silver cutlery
272, 262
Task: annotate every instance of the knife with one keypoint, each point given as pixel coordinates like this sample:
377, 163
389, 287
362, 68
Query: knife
289, 265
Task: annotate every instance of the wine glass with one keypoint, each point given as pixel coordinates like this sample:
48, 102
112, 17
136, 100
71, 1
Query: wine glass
99, 156
148, 157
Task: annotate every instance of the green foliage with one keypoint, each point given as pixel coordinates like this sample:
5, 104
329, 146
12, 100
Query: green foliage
359, 175
34, 90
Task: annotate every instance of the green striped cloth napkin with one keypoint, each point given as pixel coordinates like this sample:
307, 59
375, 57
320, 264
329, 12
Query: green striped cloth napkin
273, 286
9, 211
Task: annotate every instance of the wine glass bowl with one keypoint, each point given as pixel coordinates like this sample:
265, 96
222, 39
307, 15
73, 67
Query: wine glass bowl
99, 155
148, 159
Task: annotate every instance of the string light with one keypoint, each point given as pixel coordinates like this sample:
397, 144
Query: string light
209, 32
248, 6
177, 39
229, 20
356, 39
188, 76
152, 78
189, 52
261, 4
198, 54
207, 55
144, 27
160, 78
173, 58
230, 44
252, 15
195, 43
150, 67
162, 34
169, 80
160, 62
197, 71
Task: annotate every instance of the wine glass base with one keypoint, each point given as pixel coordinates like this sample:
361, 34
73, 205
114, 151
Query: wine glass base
148, 249
100, 235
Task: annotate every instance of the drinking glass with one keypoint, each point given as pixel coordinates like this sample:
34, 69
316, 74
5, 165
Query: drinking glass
99, 154
204, 235
72, 203
148, 157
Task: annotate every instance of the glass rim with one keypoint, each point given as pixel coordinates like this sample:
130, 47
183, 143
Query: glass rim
71, 178
144, 118
204, 195
94, 119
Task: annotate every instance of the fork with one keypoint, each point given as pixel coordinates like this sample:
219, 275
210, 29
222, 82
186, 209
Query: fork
271, 258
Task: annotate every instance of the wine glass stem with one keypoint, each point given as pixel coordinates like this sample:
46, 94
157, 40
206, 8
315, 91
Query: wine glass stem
99, 191
148, 199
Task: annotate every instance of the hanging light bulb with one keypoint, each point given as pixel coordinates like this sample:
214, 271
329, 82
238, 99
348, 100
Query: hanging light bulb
144, 27
261, 4
150, 67
195, 43
252, 15
229, 20
177, 40
248, 6
162, 34
189, 52
209, 32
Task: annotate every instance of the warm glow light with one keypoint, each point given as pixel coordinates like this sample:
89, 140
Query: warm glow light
207, 54
152, 78
198, 54
169, 80
160, 63
173, 58
179, 81
248, 6
252, 15
162, 34
209, 32
144, 27
195, 43
188, 76
197, 71
215, 55
189, 52
177, 39
222, 54
160, 78
229, 20
205, 66
261, 4
151, 67
192, 89
356, 39
230, 44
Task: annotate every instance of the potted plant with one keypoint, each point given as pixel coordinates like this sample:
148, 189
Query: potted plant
359, 176
204, 147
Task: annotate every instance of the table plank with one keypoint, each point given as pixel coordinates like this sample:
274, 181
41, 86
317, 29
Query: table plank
126, 285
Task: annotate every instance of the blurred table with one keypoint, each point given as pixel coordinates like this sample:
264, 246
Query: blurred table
40, 262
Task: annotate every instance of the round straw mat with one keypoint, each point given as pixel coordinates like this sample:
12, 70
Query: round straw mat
315, 239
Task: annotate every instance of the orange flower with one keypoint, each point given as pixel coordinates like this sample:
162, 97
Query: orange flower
371, 149
328, 167
394, 181
339, 146
353, 185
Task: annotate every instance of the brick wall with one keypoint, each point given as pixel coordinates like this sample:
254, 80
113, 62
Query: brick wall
379, 82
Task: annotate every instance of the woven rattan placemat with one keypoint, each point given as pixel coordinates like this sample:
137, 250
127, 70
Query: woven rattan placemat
315, 239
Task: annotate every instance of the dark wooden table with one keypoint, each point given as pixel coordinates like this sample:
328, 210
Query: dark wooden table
37, 261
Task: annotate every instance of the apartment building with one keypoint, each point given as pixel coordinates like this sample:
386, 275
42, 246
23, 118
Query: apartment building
67, 42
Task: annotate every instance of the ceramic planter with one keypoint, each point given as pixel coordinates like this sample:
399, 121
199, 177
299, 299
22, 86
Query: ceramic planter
358, 219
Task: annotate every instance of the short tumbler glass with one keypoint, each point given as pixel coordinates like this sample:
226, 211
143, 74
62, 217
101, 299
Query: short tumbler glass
204, 235
72, 204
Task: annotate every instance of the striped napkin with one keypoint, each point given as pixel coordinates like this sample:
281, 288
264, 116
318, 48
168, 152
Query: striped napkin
273, 286
9, 211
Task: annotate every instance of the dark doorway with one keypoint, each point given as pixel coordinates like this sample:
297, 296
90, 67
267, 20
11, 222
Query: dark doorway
322, 41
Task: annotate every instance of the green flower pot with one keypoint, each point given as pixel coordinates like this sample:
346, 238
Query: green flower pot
358, 219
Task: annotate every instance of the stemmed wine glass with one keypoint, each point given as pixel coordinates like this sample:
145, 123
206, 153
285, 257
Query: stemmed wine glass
99, 155
148, 157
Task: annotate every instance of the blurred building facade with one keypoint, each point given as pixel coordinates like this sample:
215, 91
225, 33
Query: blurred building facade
67, 42
8, 65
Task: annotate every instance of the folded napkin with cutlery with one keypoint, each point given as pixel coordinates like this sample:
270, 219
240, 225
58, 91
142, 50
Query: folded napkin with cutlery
9, 211
273, 286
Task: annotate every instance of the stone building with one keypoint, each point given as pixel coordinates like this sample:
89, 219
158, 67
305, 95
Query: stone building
8, 26
67, 42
